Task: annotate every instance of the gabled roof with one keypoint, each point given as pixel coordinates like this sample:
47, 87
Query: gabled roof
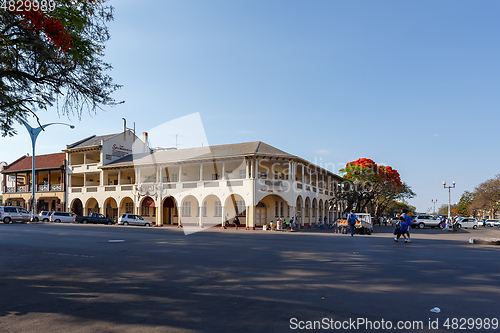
91, 141
200, 153
50, 161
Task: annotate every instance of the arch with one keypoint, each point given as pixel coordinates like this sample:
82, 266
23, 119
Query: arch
188, 211
321, 213
170, 211
126, 205
148, 208
110, 208
211, 211
299, 204
77, 207
235, 206
91, 206
276, 207
307, 211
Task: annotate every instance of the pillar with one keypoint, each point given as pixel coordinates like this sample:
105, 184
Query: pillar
223, 217
250, 218
201, 172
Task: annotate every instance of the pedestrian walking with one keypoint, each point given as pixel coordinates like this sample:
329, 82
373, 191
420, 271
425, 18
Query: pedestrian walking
236, 222
351, 220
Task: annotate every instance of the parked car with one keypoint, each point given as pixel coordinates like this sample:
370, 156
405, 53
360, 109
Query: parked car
422, 221
94, 218
133, 219
44, 216
492, 223
10, 214
62, 217
467, 222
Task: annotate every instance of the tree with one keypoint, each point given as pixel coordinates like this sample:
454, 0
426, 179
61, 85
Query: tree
371, 187
53, 55
464, 205
487, 197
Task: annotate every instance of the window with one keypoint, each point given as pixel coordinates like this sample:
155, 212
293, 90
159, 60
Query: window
204, 212
176, 212
186, 208
263, 175
145, 211
276, 212
287, 210
129, 207
240, 208
218, 208
281, 208
276, 175
215, 176
175, 177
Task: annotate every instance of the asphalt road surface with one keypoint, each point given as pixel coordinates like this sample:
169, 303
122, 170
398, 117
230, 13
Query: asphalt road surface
93, 278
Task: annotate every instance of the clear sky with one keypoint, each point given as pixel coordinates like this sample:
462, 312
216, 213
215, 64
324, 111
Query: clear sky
410, 84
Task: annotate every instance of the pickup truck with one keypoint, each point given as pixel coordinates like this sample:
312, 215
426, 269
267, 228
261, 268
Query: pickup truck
94, 218
363, 227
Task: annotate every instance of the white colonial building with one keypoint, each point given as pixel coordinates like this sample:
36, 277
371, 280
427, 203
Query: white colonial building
197, 187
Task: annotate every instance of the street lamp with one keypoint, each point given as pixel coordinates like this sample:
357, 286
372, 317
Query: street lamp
449, 196
434, 201
34, 134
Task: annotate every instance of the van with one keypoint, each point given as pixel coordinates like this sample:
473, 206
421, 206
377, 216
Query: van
62, 217
10, 214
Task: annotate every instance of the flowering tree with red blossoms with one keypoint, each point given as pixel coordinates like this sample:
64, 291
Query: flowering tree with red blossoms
368, 186
54, 57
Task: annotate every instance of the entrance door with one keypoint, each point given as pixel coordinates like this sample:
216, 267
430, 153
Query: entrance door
260, 216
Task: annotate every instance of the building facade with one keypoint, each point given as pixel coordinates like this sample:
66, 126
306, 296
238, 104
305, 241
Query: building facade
196, 187
50, 181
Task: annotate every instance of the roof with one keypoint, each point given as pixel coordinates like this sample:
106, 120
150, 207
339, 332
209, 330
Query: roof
230, 150
91, 141
50, 161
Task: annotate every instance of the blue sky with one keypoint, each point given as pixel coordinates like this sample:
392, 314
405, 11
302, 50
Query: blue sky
411, 84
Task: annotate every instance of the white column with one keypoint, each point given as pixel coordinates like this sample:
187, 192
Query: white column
180, 173
223, 217
290, 177
201, 172
256, 168
303, 175
223, 170
247, 168
119, 181
200, 221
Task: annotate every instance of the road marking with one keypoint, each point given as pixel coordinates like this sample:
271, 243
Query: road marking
116, 241
68, 255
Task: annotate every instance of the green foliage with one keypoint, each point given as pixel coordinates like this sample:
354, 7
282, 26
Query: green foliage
38, 71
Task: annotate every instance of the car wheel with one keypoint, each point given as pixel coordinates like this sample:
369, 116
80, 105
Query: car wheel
125, 223
57, 221
7, 220
35, 219
459, 226
147, 224
109, 223
45, 220
421, 225
474, 227
85, 221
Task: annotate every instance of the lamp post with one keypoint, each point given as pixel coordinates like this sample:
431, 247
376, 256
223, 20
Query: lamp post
449, 196
434, 201
34, 131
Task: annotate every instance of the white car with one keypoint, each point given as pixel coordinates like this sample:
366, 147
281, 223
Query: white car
59, 217
467, 222
492, 223
422, 221
133, 219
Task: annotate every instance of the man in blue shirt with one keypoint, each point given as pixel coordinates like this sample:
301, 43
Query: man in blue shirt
351, 220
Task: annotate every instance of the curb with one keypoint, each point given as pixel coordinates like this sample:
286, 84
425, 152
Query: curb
484, 241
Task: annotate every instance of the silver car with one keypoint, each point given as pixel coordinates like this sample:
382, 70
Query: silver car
467, 222
133, 219
492, 223
62, 217
10, 214
422, 221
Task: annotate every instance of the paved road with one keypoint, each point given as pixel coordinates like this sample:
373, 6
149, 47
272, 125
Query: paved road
71, 278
